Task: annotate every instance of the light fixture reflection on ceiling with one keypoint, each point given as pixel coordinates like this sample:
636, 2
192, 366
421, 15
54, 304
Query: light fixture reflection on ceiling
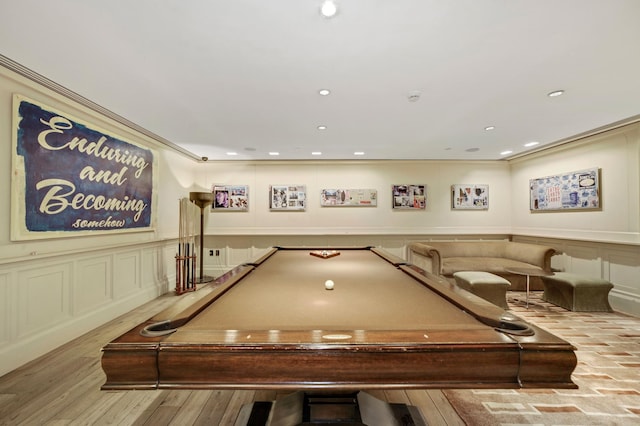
358, 153
274, 153
328, 9
414, 96
232, 153
555, 93
322, 127
324, 92
316, 153
530, 144
507, 152
488, 128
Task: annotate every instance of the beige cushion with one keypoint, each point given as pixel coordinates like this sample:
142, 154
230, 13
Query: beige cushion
478, 277
493, 265
484, 284
577, 292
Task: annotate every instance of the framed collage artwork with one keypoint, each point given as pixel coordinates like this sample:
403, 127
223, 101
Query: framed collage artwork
230, 198
409, 197
349, 198
470, 197
579, 190
288, 197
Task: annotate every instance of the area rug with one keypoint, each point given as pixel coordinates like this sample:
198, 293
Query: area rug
607, 375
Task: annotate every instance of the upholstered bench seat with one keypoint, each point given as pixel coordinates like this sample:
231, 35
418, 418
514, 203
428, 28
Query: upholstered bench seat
484, 284
444, 258
577, 292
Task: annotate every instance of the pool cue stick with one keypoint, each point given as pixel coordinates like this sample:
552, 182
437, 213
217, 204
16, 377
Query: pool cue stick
192, 234
181, 245
179, 257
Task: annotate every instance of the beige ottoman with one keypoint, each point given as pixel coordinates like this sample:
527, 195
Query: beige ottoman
577, 292
484, 284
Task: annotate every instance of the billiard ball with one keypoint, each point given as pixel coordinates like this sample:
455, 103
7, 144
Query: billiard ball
328, 284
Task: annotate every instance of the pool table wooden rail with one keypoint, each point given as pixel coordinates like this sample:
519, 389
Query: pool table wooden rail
440, 357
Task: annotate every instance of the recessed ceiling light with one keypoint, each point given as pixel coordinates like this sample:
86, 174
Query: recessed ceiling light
322, 127
530, 144
507, 152
274, 153
328, 9
358, 153
232, 153
490, 128
324, 92
555, 93
316, 153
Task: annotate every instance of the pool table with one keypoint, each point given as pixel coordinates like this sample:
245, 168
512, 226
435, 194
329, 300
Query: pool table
272, 324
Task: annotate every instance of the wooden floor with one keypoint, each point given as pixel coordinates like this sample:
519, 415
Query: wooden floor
63, 388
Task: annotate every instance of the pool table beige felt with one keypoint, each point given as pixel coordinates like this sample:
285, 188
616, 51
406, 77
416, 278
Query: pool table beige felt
385, 324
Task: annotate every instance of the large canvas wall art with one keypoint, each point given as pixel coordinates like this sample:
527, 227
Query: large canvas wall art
72, 178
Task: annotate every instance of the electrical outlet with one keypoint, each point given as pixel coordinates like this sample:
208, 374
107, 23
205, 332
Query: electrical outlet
217, 252
210, 252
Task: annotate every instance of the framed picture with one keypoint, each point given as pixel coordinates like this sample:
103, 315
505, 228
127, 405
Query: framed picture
470, 197
579, 190
410, 197
71, 178
349, 198
230, 198
287, 197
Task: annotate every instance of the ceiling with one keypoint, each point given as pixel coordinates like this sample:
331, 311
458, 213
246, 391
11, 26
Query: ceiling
409, 79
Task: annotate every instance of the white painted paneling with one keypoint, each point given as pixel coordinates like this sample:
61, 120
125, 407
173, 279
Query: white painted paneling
153, 270
126, 273
92, 286
5, 310
584, 259
46, 304
624, 270
43, 298
168, 255
238, 256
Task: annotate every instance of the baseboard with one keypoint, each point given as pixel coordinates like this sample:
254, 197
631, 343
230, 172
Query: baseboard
624, 302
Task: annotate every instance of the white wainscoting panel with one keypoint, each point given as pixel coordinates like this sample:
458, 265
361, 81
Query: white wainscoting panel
153, 269
584, 260
48, 301
617, 263
92, 286
43, 298
127, 278
624, 269
168, 258
5, 310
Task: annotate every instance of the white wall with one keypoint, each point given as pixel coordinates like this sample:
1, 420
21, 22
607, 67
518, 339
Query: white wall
617, 154
438, 217
603, 243
54, 290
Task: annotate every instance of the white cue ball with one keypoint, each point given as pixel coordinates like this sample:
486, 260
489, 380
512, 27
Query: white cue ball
328, 284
